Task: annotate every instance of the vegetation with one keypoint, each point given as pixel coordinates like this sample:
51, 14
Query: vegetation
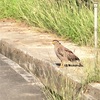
68, 88
64, 17
93, 72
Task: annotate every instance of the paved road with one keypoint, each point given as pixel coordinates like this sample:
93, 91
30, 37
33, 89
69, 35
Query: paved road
16, 84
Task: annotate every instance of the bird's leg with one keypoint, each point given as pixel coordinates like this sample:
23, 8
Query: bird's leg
62, 64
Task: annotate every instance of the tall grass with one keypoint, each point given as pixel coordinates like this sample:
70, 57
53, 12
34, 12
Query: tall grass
93, 71
63, 17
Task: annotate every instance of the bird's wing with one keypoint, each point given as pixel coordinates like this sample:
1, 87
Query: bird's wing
64, 54
70, 55
60, 51
67, 50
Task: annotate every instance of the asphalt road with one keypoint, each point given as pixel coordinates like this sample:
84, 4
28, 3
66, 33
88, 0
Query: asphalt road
13, 86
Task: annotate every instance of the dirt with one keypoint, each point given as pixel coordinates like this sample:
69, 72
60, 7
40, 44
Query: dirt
22, 33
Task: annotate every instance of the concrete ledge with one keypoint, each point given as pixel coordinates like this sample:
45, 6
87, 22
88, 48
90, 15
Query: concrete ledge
51, 76
33, 51
88, 97
92, 91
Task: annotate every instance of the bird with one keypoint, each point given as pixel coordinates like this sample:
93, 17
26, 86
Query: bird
64, 54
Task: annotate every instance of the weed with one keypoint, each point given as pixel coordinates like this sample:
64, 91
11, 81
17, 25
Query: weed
62, 17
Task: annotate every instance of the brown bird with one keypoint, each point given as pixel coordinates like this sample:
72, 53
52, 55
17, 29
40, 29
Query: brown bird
64, 54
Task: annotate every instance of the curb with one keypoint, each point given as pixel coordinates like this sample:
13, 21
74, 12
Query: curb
48, 74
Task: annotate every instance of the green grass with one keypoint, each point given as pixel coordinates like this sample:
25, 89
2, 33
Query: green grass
91, 71
62, 18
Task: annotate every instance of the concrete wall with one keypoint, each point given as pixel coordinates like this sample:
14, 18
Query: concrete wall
49, 75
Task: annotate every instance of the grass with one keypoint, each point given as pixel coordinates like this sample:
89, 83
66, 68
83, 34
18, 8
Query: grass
69, 90
93, 73
63, 17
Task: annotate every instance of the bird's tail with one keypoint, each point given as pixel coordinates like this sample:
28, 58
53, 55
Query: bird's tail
80, 64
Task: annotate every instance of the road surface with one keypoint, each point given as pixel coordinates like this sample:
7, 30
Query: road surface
16, 85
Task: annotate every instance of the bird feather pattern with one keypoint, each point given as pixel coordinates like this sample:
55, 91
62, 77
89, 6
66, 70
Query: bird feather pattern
64, 54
